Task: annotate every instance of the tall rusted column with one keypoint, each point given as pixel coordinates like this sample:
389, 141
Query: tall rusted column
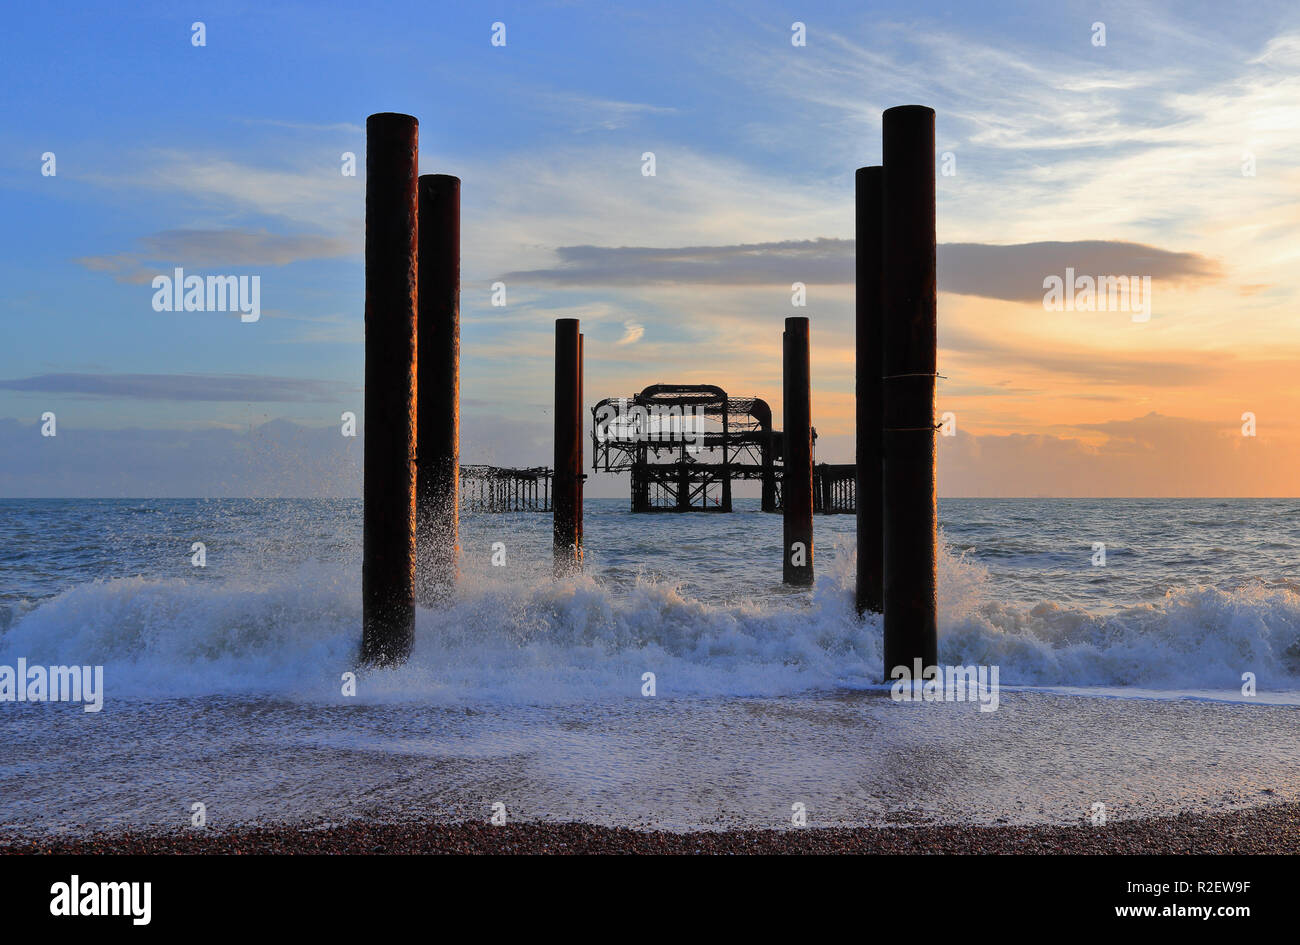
437, 481
797, 488
763, 413
909, 366
566, 500
388, 528
578, 473
871, 550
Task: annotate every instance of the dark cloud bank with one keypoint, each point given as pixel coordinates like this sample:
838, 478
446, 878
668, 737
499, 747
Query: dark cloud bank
1014, 273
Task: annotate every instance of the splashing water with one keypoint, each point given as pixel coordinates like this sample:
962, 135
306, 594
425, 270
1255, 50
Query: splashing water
514, 634
223, 683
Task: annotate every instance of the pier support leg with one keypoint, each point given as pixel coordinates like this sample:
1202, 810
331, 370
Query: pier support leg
683, 481
438, 416
578, 475
868, 485
726, 459
797, 488
768, 502
908, 387
566, 499
388, 529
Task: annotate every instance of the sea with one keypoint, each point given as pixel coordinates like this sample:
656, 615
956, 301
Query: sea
1148, 657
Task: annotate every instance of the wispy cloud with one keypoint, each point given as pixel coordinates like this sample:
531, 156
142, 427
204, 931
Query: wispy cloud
215, 248
311, 194
342, 126
589, 113
632, 332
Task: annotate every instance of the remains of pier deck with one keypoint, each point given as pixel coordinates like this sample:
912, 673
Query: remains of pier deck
679, 465
835, 488
498, 489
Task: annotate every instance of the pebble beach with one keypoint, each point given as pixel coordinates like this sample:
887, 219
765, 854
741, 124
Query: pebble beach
1272, 829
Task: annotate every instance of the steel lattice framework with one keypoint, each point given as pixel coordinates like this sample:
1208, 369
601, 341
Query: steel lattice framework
684, 444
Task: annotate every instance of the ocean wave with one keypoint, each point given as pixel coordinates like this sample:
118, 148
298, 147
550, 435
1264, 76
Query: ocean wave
293, 635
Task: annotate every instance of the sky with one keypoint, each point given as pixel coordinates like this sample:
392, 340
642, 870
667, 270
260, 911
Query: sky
1172, 151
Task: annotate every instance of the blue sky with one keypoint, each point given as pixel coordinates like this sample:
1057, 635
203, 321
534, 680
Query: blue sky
226, 158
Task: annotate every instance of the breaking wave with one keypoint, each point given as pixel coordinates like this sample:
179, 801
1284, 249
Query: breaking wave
293, 635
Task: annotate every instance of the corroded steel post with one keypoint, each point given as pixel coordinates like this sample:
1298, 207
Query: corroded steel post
388, 528
566, 499
438, 416
868, 485
910, 298
797, 487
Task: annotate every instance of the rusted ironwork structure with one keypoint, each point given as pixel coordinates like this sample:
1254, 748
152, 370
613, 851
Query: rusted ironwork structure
684, 445
498, 489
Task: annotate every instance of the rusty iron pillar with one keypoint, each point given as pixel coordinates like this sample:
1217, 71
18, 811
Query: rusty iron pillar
437, 455
867, 488
763, 414
388, 529
579, 475
566, 503
797, 488
909, 365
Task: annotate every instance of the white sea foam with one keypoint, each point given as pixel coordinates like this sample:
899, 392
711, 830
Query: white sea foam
293, 634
